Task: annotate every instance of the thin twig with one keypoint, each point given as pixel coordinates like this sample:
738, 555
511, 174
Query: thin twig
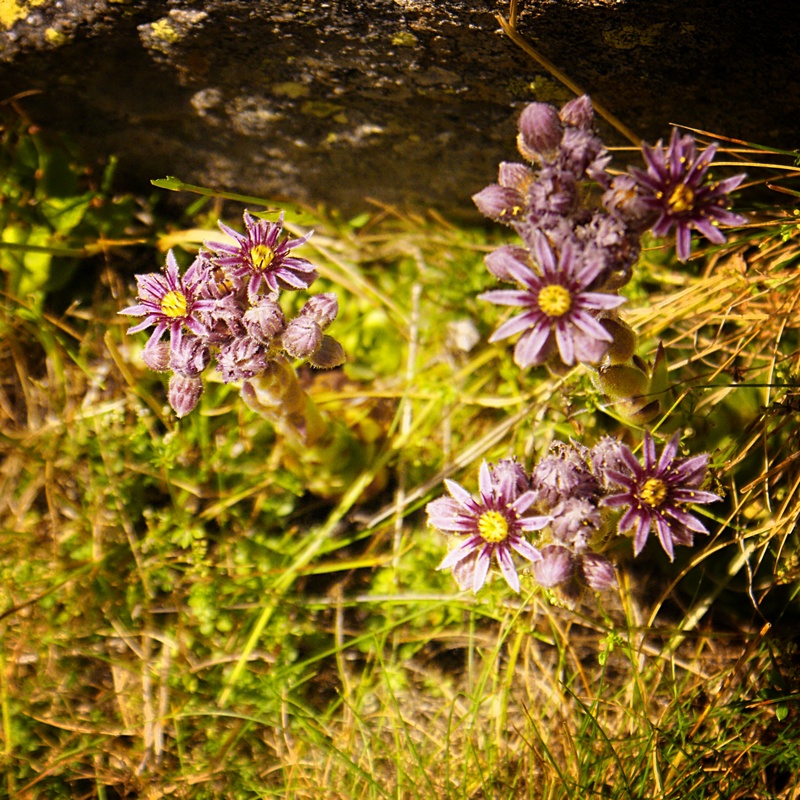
509, 31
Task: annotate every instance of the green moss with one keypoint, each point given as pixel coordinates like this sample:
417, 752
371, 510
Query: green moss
320, 108
12, 11
291, 89
56, 37
164, 30
405, 39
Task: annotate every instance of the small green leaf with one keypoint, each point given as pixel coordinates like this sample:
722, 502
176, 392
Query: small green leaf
65, 213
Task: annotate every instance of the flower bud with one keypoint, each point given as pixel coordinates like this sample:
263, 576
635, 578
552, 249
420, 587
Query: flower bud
598, 572
638, 410
183, 393
578, 112
241, 359
554, 567
540, 131
190, 357
515, 176
624, 201
500, 203
156, 356
265, 320
302, 337
322, 308
329, 355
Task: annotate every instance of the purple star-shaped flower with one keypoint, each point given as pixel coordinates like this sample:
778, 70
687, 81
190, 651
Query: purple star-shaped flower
492, 524
169, 301
676, 190
656, 493
558, 311
261, 256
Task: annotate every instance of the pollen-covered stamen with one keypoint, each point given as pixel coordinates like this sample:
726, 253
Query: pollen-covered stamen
261, 255
554, 300
174, 305
681, 199
514, 212
493, 526
654, 492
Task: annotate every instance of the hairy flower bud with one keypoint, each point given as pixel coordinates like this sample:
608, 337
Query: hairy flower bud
329, 355
500, 203
183, 393
578, 112
190, 357
515, 176
540, 131
302, 337
623, 345
156, 356
241, 359
322, 308
598, 572
554, 567
624, 201
622, 381
265, 320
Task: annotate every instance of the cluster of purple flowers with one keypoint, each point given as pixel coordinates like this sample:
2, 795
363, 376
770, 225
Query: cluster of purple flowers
575, 255
225, 306
564, 498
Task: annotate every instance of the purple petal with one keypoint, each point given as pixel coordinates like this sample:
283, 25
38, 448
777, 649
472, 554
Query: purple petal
507, 297
665, 536
534, 347
668, 454
481, 568
642, 530
566, 345
524, 548
687, 520
683, 241
458, 492
447, 514
507, 567
485, 483
460, 553
521, 322
649, 451
681, 495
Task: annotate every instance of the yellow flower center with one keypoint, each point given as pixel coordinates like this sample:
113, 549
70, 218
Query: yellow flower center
261, 256
554, 300
682, 199
493, 526
174, 305
654, 492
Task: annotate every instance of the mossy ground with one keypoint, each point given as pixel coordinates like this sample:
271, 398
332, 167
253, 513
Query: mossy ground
198, 609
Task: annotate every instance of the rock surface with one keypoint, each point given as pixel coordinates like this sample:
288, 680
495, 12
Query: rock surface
410, 102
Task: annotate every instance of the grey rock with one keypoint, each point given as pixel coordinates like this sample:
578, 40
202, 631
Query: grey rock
411, 102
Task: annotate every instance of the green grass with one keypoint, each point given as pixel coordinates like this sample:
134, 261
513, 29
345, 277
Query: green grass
200, 608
